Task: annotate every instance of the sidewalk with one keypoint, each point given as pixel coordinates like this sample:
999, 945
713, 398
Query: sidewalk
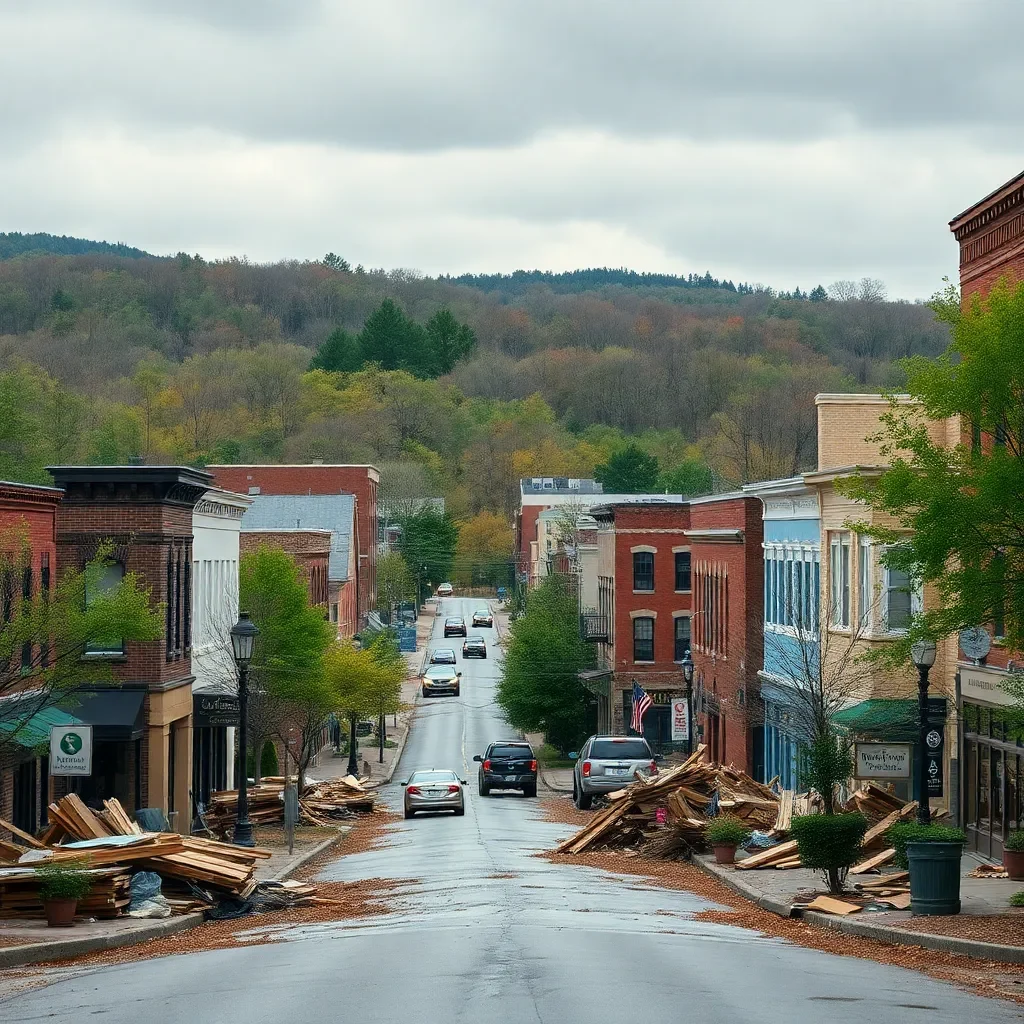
987, 926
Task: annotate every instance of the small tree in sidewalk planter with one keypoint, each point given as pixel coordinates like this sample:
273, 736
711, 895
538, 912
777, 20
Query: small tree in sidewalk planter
61, 886
904, 832
829, 843
724, 834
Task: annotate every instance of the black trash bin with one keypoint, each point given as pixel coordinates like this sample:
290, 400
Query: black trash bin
934, 877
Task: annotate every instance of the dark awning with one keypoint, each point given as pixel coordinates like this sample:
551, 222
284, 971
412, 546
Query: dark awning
114, 713
889, 719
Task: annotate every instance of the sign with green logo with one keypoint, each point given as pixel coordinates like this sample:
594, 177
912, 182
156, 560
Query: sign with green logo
71, 750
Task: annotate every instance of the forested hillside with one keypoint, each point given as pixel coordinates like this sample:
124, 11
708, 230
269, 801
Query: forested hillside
104, 357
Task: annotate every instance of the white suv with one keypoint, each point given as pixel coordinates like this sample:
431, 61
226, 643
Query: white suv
444, 590
608, 763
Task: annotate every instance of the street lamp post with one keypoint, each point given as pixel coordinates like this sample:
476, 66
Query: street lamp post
353, 764
687, 666
923, 653
243, 636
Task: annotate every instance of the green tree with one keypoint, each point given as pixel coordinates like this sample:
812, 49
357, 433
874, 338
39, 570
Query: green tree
429, 539
42, 643
394, 581
450, 341
959, 520
630, 470
288, 693
690, 478
336, 262
540, 688
394, 341
339, 353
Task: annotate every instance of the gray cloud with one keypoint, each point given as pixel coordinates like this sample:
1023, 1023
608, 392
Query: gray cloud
786, 142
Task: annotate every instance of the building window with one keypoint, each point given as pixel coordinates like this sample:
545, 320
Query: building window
26, 583
864, 594
6, 590
44, 572
682, 636
643, 570
683, 581
839, 579
106, 582
171, 593
186, 601
643, 638
334, 612
902, 599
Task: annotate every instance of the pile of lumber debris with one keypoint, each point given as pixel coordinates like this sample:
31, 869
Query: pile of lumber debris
318, 801
889, 893
111, 846
687, 793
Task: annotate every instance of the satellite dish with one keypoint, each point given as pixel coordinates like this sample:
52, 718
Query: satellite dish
975, 643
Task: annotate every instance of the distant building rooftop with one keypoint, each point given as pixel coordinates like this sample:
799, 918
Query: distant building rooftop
559, 485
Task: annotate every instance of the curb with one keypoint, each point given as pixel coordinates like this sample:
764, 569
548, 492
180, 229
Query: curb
891, 935
303, 859
65, 949
550, 785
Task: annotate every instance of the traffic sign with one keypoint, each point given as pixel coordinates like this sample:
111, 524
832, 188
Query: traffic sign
71, 750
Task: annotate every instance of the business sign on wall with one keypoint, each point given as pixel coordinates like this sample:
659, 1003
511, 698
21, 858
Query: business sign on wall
883, 760
71, 750
680, 720
979, 684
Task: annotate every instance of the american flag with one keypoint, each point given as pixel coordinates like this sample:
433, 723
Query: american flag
641, 704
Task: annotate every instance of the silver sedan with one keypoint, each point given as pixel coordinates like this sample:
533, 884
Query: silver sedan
434, 789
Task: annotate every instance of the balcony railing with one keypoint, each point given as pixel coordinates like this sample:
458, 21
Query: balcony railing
594, 628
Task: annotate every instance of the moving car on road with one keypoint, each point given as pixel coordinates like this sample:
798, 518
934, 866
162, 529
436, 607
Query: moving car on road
607, 763
474, 647
435, 789
440, 679
444, 590
455, 625
443, 656
483, 617
510, 764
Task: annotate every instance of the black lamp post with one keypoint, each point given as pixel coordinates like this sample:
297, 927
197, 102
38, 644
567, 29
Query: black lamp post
923, 653
353, 765
688, 677
243, 636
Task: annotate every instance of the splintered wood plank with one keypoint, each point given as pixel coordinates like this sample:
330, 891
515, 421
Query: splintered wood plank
873, 862
24, 836
875, 835
766, 858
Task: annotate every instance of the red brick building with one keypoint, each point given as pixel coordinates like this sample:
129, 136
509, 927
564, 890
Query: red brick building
317, 478
725, 536
142, 729
28, 559
311, 550
644, 596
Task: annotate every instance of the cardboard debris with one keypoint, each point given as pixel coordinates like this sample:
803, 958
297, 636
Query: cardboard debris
989, 871
830, 905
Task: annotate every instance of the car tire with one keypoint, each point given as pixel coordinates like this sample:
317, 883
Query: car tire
425, 694
460, 811
408, 813
530, 791
484, 790
456, 691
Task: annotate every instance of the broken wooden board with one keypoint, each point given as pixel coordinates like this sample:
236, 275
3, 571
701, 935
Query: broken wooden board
873, 862
830, 905
766, 858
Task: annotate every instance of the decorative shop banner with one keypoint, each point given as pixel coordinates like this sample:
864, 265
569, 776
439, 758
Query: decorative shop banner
71, 750
680, 720
884, 760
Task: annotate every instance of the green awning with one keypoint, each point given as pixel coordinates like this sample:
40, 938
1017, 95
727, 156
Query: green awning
36, 730
888, 719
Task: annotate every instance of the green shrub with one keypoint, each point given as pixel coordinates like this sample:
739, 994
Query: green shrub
62, 882
826, 762
268, 760
1017, 899
904, 832
1014, 842
726, 830
830, 843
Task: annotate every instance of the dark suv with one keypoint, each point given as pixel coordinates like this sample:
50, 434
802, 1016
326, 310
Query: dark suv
454, 626
510, 764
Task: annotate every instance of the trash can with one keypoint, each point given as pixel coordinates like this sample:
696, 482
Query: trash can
934, 877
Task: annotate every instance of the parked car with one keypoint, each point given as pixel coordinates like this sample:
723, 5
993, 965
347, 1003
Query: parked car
607, 763
509, 764
443, 656
455, 626
439, 679
435, 789
483, 617
474, 647
444, 590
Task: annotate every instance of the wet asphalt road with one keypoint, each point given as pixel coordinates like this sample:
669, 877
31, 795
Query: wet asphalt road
483, 931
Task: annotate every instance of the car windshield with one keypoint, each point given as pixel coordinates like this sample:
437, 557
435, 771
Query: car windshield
475, 640
439, 673
624, 749
482, 614
510, 750
444, 655
433, 776
454, 622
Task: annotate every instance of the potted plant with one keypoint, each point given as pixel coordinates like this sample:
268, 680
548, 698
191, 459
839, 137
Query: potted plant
723, 835
829, 843
61, 886
1013, 855
932, 855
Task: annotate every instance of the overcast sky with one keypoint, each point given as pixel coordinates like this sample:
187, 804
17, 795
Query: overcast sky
776, 141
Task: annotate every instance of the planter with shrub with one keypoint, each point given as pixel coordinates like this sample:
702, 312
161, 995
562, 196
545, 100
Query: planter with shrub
830, 843
723, 835
932, 855
61, 886
1013, 855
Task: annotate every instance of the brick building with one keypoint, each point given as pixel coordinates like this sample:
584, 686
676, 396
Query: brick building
28, 558
142, 729
310, 549
725, 536
320, 479
644, 599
